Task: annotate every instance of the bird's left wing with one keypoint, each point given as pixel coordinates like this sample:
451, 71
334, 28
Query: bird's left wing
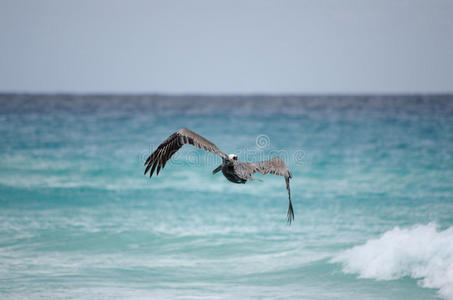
274, 166
173, 143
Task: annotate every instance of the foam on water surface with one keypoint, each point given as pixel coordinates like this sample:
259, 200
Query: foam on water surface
422, 252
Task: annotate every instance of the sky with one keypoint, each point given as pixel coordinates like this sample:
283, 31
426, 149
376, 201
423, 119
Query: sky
226, 47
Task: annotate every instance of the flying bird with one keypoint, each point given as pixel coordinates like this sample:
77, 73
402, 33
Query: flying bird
234, 170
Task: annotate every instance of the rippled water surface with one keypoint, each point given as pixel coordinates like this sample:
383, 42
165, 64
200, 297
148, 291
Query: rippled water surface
372, 194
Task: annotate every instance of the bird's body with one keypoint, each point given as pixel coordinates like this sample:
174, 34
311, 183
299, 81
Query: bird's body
229, 172
229, 169
233, 170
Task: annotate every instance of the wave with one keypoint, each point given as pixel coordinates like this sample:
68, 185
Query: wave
421, 252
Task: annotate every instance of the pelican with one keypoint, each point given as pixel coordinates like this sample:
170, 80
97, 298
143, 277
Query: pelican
234, 170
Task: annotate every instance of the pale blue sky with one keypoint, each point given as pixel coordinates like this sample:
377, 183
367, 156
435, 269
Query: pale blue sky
236, 47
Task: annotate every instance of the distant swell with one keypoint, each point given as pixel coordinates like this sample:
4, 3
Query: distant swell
421, 252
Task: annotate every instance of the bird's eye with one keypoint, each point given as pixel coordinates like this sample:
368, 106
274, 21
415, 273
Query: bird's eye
235, 158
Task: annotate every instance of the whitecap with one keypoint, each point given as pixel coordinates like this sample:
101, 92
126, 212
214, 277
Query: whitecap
421, 252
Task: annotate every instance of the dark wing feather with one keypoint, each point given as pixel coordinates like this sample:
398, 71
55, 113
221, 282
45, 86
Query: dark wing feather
172, 144
274, 166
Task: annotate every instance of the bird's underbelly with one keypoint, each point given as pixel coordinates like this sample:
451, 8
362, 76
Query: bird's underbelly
231, 176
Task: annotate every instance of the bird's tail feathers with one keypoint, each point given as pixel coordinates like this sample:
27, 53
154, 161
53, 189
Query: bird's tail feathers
254, 179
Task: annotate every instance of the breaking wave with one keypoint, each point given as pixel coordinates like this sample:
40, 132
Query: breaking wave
421, 252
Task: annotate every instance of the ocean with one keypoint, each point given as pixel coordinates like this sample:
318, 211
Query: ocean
372, 192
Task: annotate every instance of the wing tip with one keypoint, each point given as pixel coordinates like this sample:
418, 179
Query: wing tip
290, 214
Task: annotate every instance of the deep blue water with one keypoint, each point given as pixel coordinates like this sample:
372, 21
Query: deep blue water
372, 194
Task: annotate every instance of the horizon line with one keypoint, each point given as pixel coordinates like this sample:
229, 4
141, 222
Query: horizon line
204, 94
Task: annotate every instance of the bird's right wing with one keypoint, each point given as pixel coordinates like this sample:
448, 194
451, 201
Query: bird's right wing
274, 166
173, 143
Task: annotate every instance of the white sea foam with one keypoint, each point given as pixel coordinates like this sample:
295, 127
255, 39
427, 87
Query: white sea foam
421, 252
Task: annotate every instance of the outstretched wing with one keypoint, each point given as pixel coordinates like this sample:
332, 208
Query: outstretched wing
173, 143
274, 166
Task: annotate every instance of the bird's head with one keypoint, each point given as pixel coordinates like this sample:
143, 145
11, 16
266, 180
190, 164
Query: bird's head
232, 156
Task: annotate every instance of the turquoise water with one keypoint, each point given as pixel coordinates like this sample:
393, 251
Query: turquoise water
372, 194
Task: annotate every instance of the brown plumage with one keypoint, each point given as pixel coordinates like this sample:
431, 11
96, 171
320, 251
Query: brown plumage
173, 143
232, 169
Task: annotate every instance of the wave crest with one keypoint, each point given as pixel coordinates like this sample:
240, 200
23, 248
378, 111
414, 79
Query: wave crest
421, 252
